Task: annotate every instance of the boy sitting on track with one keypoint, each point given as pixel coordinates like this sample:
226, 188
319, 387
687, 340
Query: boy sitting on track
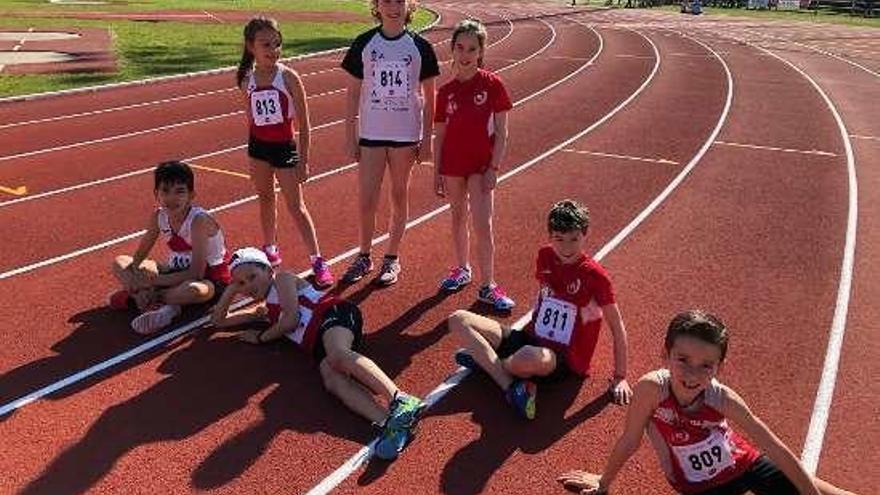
575, 294
197, 267
330, 330
684, 411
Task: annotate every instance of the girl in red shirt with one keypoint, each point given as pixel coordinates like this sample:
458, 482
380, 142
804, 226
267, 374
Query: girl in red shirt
471, 133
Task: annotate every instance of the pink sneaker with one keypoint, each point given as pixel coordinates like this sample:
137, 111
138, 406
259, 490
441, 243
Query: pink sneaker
323, 277
273, 254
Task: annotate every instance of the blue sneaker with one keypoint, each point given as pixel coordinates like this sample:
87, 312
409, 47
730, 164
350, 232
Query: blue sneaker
400, 426
458, 277
521, 395
464, 358
495, 295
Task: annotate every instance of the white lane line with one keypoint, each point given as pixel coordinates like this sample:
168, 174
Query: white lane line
214, 17
870, 138
151, 344
114, 109
118, 136
535, 54
774, 148
621, 157
360, 457
125, 238
825, 391
140, 105
126, 175
827, 53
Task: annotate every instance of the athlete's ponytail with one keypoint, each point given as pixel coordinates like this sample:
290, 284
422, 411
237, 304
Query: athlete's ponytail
254, 26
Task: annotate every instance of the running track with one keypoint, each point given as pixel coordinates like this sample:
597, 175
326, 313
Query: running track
740, 186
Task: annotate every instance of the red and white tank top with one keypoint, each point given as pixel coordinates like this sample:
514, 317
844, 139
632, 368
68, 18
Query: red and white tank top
695, 445
180, 245
270, 109
312, 305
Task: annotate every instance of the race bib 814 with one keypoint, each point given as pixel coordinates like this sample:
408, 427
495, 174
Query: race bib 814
391, 79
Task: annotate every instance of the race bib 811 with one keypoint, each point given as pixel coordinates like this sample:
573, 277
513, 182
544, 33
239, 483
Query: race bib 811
555, 320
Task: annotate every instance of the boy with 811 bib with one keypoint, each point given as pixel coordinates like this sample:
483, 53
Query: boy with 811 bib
576, 294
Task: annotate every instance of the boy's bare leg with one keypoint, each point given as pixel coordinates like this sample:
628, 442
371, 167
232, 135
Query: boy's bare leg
354, 378
191, 292
828, 489
481, 336
531, 361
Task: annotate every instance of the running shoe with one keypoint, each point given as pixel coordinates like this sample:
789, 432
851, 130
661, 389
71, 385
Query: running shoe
521, 395
458, 277
120, 300
389, 272
155, 319
361, 266
400, 426
495, 295
323, 277
464, 358
273, 254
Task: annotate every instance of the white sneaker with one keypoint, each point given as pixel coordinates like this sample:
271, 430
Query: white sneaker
157, 319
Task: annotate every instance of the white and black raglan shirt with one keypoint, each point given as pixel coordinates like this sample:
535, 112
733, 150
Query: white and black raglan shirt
392, 70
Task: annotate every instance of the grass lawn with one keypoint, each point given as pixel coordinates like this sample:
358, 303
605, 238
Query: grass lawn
199, 5
150, 49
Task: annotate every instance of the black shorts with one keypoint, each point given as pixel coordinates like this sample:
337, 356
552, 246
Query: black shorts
342, 314
519, 339
381, 143
762, 478
278, 155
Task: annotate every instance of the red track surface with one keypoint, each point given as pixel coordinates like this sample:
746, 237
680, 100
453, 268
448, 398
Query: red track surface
753, 234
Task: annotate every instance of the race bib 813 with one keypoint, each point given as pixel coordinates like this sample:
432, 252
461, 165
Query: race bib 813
266, 107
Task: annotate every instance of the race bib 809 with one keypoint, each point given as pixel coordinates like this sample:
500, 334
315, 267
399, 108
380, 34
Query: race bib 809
703, 461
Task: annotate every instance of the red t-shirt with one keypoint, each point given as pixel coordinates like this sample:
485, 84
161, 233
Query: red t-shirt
568, 315
468, 108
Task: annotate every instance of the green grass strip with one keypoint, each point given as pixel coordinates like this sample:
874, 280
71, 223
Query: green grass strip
152, 49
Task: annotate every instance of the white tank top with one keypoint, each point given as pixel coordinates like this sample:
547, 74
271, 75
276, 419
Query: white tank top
180, 242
